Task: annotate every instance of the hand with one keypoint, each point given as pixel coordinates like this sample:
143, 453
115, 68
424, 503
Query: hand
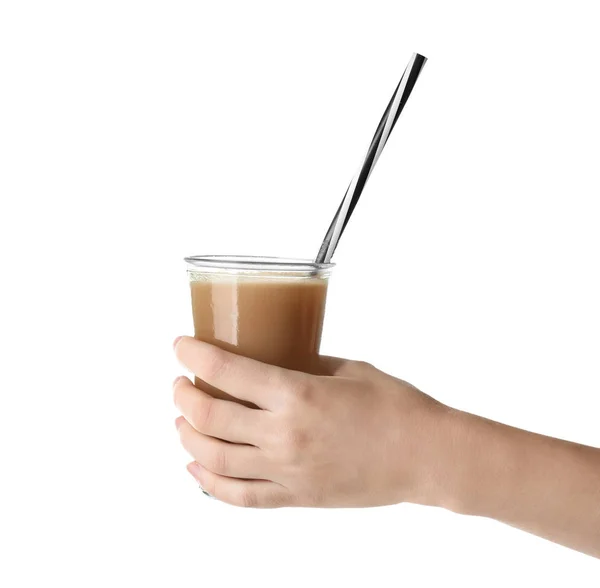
356, 437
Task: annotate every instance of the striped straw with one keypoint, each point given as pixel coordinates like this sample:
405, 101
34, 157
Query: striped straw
386, 125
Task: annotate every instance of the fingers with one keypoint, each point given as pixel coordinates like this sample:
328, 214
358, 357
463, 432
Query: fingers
239, 376
219, 418
247, 493
220, 457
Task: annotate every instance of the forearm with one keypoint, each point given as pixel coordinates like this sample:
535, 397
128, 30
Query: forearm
542, 485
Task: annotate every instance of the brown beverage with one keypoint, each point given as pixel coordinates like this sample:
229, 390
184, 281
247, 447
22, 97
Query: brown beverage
268, 309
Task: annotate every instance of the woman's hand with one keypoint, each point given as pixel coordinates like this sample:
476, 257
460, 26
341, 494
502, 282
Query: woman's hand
356, 437
359, 437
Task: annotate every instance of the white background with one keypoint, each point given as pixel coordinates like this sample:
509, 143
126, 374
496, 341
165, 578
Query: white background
134, 133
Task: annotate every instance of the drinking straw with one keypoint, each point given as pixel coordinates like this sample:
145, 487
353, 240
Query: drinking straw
384, 129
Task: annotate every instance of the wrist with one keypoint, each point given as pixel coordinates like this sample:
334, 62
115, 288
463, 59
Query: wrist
436, 477
482, 465
468, 464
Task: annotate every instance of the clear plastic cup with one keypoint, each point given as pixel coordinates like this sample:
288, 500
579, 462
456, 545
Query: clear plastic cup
267, 308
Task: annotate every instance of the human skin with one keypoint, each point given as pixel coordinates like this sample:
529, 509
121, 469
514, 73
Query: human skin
357, 437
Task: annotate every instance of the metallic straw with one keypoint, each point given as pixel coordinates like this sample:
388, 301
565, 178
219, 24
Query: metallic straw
386, 125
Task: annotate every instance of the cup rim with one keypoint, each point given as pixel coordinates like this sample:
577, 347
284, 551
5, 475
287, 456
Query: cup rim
256, 262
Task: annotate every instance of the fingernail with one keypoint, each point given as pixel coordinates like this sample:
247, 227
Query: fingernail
176, 341
177, 380
194, 469
179, 421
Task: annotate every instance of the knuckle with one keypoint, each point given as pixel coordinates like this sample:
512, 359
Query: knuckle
299, 391
361, 369
364, 365
246, 498
275, 380
297, 438
204, 416
216, 363
279, 500
295, 441
216, 461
